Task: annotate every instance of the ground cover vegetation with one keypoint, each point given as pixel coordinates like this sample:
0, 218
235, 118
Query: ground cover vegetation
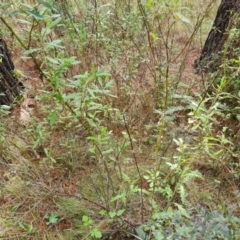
123, 141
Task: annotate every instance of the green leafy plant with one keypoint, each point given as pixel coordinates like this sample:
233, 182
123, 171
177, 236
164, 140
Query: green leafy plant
28, 228
125, 139
52, 218
86, 220
95, 233
196, 223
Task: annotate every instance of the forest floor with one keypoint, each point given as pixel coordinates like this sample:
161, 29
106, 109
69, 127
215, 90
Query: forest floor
62, 180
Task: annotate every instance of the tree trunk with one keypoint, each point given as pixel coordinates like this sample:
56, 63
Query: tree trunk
217, 36
10, 87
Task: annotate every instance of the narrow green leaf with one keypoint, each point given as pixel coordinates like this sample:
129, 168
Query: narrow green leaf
174, 109
59, 97
31, 50
91, 122
54, 44
179, 16
45, 32
53, 117
101, 72
54, 23
52, 60
46, 4
36, 15
53, 160
5, 7
14, 12
182, 193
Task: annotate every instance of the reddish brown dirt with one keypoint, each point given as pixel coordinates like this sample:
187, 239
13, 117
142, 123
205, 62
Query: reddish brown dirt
195, 82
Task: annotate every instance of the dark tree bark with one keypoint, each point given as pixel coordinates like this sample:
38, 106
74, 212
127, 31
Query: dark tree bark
218, 35
10, 87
